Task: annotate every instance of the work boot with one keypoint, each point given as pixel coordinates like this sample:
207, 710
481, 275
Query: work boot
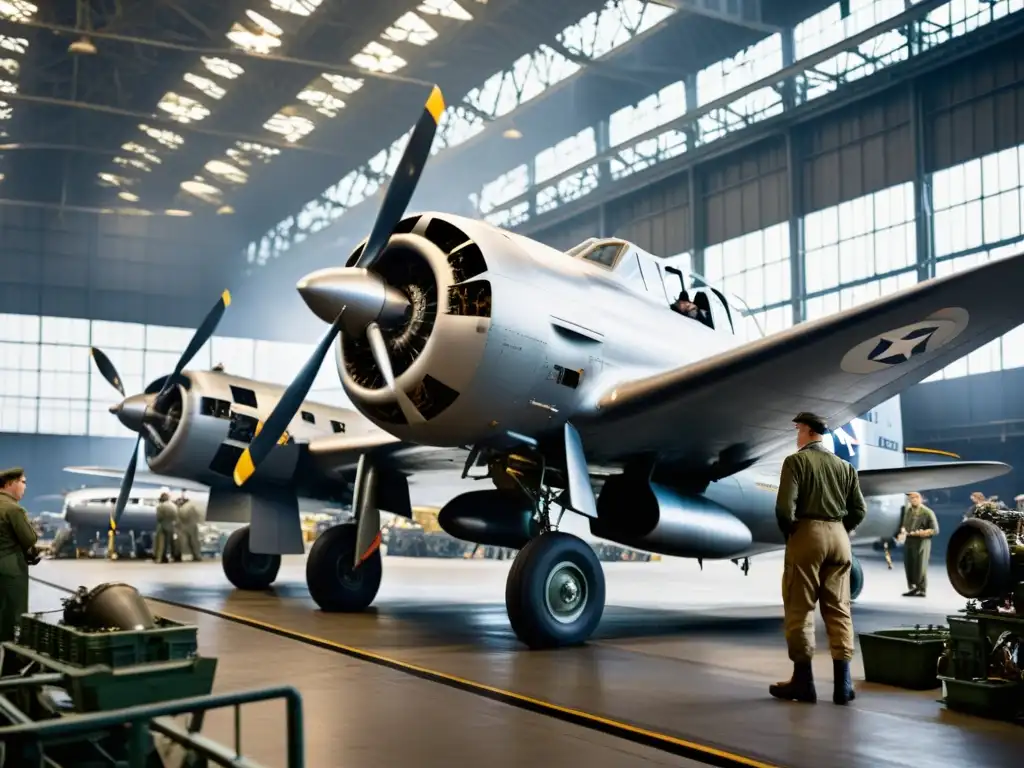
800, 687
842, 690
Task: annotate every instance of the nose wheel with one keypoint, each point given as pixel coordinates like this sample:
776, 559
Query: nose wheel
555, 591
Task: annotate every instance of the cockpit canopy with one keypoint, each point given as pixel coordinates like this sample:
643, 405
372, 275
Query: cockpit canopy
649, 275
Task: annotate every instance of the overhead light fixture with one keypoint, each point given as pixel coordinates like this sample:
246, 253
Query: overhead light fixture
225, 210
82, 45
512, 133
177, 212
130, 197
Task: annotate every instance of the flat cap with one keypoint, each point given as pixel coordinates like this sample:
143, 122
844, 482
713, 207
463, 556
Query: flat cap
10, 475
812, 420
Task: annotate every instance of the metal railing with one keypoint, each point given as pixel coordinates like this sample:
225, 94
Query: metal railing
25, 741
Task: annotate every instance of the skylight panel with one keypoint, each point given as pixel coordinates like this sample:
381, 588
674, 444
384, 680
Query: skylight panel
112, 179
265, 24
378, 58
296, 7
322, 102
5, 111
342, 83
182, 108
206, 85
254, 42
132, 162
447, 8
199, 188
167, 138
10, 66
410, 28
222, 67
292, 127
17, 10
140, 150
6, 86
227, 171
244, 152
13, 44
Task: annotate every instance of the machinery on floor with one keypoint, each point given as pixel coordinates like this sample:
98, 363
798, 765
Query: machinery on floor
102, 687
563, 380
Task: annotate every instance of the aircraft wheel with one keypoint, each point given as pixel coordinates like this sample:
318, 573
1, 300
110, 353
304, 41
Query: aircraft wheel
335, 584
555, 591
246, 569
856, 579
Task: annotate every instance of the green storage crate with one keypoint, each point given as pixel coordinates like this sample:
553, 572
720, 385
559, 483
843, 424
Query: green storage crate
904, 658
168, 641
143, 684
994, 699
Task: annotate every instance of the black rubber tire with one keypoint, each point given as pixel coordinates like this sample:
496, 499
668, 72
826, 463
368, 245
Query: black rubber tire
526, 590
334, 584
245, 569
989, 580
856, 579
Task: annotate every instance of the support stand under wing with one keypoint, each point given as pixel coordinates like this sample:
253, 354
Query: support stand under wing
272, 514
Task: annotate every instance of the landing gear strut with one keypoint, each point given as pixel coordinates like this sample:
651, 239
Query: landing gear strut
555, 589
244, 568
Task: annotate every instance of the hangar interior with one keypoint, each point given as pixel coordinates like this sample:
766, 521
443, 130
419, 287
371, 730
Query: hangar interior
805, 156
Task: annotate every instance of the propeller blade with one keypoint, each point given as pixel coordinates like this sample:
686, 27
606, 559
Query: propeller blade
199, 338
107, 369
379, 350
286, 408
126, 486
403, 183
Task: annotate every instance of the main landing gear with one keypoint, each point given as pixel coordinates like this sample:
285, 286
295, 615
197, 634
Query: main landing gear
856, 579
555, 590
244, 568
333, 580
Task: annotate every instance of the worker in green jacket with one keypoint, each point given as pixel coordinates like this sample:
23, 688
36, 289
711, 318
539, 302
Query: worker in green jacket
919, 527
818, 504
166, 522
188, 527
17, 551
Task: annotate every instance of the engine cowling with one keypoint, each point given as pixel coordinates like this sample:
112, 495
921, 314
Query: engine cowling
492, 517
638, 513
203, 426
476, 352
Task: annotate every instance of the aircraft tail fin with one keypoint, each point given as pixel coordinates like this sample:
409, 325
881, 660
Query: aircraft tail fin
872, 441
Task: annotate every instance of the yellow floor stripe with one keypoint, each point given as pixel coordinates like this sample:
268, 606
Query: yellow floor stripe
461, 681
616, 725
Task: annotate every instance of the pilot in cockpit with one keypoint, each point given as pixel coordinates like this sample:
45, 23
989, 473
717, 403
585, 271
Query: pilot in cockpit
687, 308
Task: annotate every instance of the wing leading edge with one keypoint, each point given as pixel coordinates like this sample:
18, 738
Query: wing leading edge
929, 477
733, 408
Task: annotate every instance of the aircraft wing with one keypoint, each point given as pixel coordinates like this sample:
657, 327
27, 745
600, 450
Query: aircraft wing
721, 414
141, 478
338, 455
927, 477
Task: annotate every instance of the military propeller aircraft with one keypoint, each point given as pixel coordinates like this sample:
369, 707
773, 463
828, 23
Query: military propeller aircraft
568, 382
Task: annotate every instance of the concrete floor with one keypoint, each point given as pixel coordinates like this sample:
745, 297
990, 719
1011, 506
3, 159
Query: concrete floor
681, 652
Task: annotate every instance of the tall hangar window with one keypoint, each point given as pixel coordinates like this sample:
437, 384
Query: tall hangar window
977, 219
555, 160
859, 250
755, 267
48, 383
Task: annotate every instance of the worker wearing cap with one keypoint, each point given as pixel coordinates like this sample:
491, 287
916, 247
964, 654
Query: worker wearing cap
166, 522
17, 551
919, 527
819, 503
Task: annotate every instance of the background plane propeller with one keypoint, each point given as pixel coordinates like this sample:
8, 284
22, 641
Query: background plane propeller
364, 298
140, 411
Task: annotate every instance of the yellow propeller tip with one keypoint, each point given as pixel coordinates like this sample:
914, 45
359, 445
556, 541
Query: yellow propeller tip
226, 298
244, 468
435, 104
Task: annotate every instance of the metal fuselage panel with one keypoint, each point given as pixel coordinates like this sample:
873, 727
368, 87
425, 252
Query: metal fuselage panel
562, 332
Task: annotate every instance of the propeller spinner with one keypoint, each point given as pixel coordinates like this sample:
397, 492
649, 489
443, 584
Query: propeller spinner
355, 297
141, 412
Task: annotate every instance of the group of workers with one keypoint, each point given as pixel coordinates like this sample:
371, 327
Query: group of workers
177, 529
